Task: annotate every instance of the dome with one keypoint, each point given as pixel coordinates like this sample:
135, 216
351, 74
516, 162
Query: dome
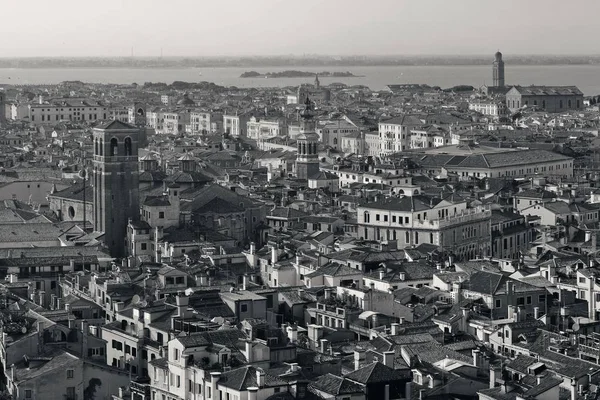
186, 101
498, 56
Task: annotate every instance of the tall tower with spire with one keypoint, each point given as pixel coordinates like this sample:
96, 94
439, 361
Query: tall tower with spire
317, 83
307, 159
498, 70
116, 182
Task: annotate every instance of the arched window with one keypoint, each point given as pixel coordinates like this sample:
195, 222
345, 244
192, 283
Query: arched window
96, 147
431, 238
114, 147
101, 147
367, 217
128, 146
335, 141
569, 103
407, 237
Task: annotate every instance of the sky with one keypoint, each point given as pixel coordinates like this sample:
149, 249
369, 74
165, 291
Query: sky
76, 28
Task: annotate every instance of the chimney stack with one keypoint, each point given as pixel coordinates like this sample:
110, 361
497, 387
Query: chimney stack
388, 358
249, 355
252, 391
260, 377
395, 329
359, 355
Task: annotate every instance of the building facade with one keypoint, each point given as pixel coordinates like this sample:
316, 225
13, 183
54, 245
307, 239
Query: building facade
548, 98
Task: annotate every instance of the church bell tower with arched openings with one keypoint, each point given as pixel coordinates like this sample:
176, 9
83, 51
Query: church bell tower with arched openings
116, 180
307, 158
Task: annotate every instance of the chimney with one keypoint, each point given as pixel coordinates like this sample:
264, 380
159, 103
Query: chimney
536, 312
71, 323
121, 391
395, 329
359, 355
203, 279
387, 392
249, 355
274, 255
539, 379
245, 282
388, 358
408, 390
85, 332
41, 298
214, 378
260, 377
59, 303
252, 248
252, 393
476, 358
402, 319
493, 373
324, 345
381, 273
182, 302
52, 301
521, 314
292, 333
13, 372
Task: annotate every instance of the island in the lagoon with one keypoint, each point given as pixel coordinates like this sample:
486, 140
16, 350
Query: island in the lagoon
299, 74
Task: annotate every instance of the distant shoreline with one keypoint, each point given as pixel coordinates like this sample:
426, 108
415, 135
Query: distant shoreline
300, 74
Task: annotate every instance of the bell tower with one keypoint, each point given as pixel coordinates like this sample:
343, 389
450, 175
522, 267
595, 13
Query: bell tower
498, 70
2, 107
307, 158
116, 180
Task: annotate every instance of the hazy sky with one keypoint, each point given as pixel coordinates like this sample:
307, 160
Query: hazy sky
276, 27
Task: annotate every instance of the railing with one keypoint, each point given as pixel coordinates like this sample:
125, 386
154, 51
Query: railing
108, 159
589, 350
359, 329
140, 387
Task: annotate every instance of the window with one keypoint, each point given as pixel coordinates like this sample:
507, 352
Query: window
176, 354
498, 303
244, 307
581, 279
520, 301
70, 373
161, 214
542, 298
28, 394
144, 246
528, 299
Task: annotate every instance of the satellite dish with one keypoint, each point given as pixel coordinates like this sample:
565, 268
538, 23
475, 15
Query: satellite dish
576, 327
135, 299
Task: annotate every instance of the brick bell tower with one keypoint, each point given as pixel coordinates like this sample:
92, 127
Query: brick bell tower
307, 158
115, 178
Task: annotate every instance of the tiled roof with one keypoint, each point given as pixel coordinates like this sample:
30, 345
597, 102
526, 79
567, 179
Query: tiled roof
335, 385
378, 373
245, 377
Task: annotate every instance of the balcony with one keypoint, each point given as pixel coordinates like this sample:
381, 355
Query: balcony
467, 216
115, 159
142, 386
